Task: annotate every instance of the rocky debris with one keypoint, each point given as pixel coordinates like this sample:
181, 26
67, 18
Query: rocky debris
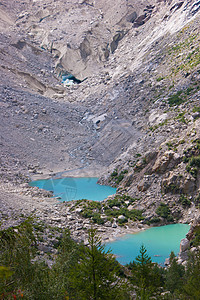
166, 161
145, 183
176, 183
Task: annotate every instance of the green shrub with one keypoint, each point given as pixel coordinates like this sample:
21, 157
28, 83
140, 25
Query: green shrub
114, 202
134, 214
118, 177
196, 239
176, 99
154, 220
114, 173
193, 165
164, 212
97, 219
196, 109
184, 201
159, 78
197, 201
195, 161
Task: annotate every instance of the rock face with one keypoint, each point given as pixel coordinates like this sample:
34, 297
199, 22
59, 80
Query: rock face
166, 162
132, 104
184, 245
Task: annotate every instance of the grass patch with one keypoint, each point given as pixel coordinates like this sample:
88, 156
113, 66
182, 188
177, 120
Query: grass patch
159, 79
185, 202
176, 99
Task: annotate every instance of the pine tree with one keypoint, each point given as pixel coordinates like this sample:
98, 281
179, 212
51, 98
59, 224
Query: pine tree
96, 274
147, 276
175, 274
192, 286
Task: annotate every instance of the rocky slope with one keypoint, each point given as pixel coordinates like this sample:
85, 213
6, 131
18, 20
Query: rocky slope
130, 111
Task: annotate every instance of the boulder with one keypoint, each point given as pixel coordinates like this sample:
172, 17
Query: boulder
179, 183
121, 217
166, 162
184, 245
145, 183
108, 224
114, 225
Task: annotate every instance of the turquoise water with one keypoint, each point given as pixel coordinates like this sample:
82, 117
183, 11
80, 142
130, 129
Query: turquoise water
157, 240
70, 188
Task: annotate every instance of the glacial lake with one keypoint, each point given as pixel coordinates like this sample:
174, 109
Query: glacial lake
70, 188
159, 242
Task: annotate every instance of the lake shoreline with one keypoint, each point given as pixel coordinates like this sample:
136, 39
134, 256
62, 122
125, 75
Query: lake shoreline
159, 242
25, 200
55, 173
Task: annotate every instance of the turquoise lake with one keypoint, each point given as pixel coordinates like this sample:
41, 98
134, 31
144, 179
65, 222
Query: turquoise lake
157, 240
70, 188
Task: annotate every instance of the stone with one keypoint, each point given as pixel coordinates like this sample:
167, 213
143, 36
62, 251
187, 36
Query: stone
184, 245
114, 225
121, 217
108, 224
167, 262
166, 162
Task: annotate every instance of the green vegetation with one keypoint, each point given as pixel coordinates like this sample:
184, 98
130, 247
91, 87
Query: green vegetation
182, 95
154, 220
81, 272
147, 276
192, 158
118, 206
175, 275
176, 99
170, 145
164, 212
196, 109
185, 55
197, 201
91, 209
133, 214
140, 164
118, 177
196, 238
160, 78
181, 118
185, 202
112, 208
153, 128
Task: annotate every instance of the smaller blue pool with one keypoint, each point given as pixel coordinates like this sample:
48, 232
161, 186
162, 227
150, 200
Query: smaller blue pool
159, 242
70, 188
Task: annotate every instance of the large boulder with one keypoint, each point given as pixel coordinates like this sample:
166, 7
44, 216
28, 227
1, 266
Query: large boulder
166, 162
179, 183
184, 245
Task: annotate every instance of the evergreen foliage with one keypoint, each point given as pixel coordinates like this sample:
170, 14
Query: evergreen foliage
175, 275
89, 272
192, 278
146, 275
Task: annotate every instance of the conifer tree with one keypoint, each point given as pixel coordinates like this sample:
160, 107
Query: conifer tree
174, 276
192, 286
96, 274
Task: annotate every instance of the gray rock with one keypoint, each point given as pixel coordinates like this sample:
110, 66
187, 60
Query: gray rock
114, 225
121, 217
108, 224
184, 245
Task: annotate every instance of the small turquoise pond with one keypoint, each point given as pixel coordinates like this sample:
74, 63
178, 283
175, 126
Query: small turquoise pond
70, 188
159, 242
